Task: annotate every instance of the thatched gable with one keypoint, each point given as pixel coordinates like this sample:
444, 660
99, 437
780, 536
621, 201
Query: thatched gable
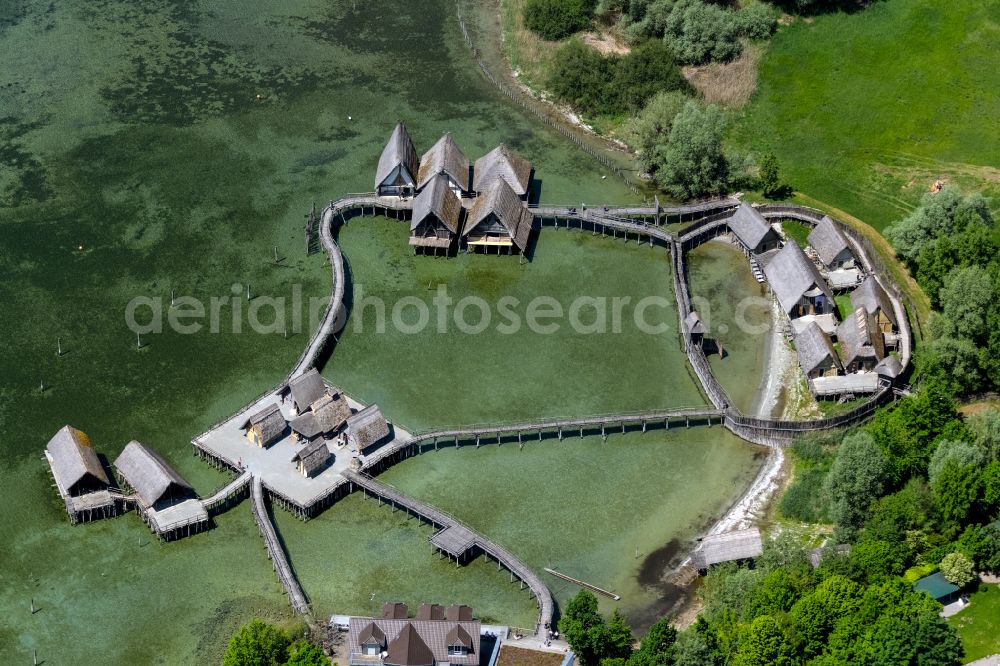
398, 161
815, 351
436, 203
149, 475
500, 204
752, 230
794, 279
268, 425
312, 457
444, 157
75, 465
861, 343
729, 547
873, 298
502, 162
307, 389
367, 427
693, 323
890, 367
830, 244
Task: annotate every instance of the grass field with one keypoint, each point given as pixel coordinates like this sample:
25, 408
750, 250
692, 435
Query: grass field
865, 110
978, 625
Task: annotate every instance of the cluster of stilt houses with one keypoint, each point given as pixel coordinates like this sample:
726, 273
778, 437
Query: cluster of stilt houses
839, 356
458, 205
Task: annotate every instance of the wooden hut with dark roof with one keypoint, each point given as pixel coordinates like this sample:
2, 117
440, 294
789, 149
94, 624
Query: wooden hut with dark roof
312, 458
694, 327
498, 219
502, 162
80, 478
728, 547
266, 426
889, 367
324, 419
396, 174
306, 389
367, 428
797, 284
816, 353
436, 217
871, 296
446, 159
753, 232
831, 245
861, 344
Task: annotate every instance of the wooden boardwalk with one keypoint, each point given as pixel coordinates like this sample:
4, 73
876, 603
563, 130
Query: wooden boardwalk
275, 551
472, 541
225, 495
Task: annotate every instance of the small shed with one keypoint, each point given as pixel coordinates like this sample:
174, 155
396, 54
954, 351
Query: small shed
861, 343
939, 588
797, 284
367, 428
153, 480
306, 389
266, 426
816, 353
396, 173
75, 465
728, 547
695, 327
831, 245
871, 296
753, 232
446, 159
889, 367
312, 458
498, 219
436, 217
502, 162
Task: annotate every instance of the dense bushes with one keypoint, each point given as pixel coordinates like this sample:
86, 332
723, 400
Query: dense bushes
611, 85
263, 644
556, 19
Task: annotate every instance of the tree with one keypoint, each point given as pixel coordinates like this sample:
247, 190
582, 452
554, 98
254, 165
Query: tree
944, 213
770, 177
657, 646
857, 478
879, 560
763, 643
257, 644
965, 300
817, 613
692, 164
646, 70
957, 569
650, 129
697, 646
957, 490
963, 453
620, 637
556, 19
699, 32
584, 629
981, 544
984, 426
304, 653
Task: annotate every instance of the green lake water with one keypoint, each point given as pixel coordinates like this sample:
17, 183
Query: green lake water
136, 163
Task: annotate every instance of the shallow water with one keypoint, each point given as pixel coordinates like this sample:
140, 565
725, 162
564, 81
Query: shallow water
137, 162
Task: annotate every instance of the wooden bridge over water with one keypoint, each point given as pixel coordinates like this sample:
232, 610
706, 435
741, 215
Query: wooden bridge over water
275, 551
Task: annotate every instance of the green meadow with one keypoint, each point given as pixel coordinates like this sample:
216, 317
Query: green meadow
866, 110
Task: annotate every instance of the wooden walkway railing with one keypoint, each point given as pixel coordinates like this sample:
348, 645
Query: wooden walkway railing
223, 495
442, 520
275, 551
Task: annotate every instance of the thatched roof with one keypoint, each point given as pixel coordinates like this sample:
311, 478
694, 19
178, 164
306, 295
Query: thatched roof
327, 415
399, 151
502, 162
500, 200
813, 348
409, 649
790, 275
859, 338
269, 421
438, 200
313, 455
73, 459
459, 613
430, 612
872, 297
749, 226
728, 547
367, 426
890, 366
395, 610
444, 157
307, 389
149, 474
693, 323
827, 240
